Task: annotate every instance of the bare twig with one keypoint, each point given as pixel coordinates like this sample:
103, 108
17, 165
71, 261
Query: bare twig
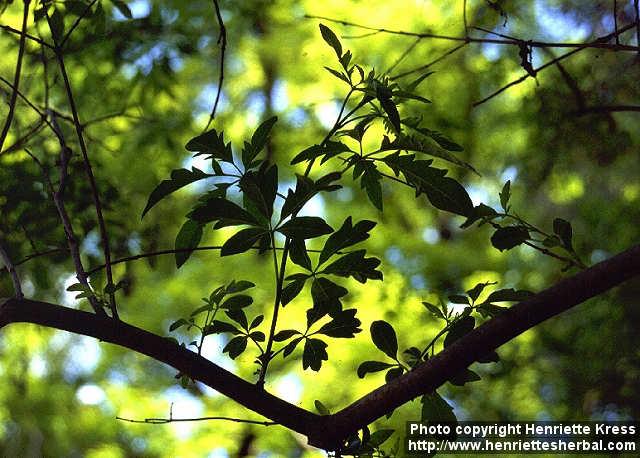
507, 42
12, 271
87, 164
405, 53
433, 62
601, 40
20, 142
39, 254
58, 201
161, 421
76, 23
40, 41
16, 76
222, 41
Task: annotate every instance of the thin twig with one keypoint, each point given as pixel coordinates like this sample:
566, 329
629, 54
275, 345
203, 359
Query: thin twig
16, 76
39, 254
222, 41
433, 62
76, 23
404, 54
58, 200
615, 20
636, 4
40, 41
160, 421
24, 139
601, 40
506, 42
12, 271
87, 165
609, 109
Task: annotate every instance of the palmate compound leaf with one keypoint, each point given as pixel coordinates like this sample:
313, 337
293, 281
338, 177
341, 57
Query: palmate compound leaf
179, 179
187, 239
344, 324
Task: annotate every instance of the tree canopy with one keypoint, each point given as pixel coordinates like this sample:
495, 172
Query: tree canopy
304, 224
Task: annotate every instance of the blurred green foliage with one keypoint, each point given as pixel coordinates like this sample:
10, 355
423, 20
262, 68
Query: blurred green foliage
145, 85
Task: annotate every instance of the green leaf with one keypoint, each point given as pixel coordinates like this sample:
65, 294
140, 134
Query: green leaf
393, 374
320, 407
477, 290
236, 346
384, 337
188, 238
562, 228
288, 349
355, 265
238, 286
305, 189
305, 227
480, 212
179, 179
257, 321
314, 353
463, 377
298, 253
343, 325
285, 334
391, 110
411, 143
328, 149
459, 299
238, 316
123, 8
223, 210
79, 287
258, 336
331, 39
344, 237
435, 409
258, 140
505, 195
508, 295
237, 302
505, 238
326, 297
217, 327
261, 187
177, 324
371, 183
211, 143
242, 241
435, 311
290, 291
458, 329
372, 366
339, 75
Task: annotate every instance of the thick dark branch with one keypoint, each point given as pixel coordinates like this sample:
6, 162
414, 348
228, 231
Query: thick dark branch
496, 332
163, 350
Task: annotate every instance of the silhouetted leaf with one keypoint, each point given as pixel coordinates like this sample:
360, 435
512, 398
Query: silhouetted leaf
384, 337
372, 366
238, 315
477, 290
505, 195
290, 291
223, 210
291, 346
238, 286
380, 436
256, 321
261, 187
305, 227
177, 324
328, 149
505, 238
460, 328
314, 353
217, 327
179, 178
236, 346
211, 143
188, 237
298, 253
320, 407
435, 311
435, 409
123, 8
331, 39
242, 241
508, 295
237, 302
354, 264
371, 183
258, 141
285, 334
393, 374
344, 324
563, 230
326, 297
344, 237
491, 357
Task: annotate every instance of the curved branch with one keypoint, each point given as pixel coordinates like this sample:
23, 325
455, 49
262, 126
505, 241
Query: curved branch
163, 350
329, 431
494, 333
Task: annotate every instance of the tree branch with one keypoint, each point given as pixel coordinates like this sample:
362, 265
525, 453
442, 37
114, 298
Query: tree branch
222, 41
329, 431
4, 256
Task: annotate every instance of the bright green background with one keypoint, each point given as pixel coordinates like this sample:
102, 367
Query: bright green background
60, 393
